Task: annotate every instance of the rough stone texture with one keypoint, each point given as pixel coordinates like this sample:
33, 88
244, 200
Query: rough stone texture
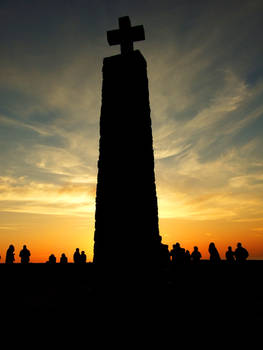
126, 218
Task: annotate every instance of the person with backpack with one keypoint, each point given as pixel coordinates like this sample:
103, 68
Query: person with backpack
241, 253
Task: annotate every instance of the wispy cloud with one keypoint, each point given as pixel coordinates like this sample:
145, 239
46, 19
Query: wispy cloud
227, 187
204, 106
41, 130
21, 195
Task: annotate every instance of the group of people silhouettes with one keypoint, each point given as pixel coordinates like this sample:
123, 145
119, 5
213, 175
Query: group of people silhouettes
24, 255
176, 255
78, 258
180, 255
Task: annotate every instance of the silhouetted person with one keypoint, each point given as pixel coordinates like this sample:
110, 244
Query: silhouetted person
230, 255
177, 254
76, 256
24, 255
52, 259
63, 259
10, 255
196, 255
82, 257
187, 256
214, 255
241, 253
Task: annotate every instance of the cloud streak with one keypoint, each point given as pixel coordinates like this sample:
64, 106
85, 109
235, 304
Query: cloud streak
19, 195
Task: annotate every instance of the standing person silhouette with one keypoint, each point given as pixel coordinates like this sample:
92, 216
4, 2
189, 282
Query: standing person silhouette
177, 253
241, 253
24, 255
76, 256
230, 255
187, 256
10, 255
196, 255
214, 255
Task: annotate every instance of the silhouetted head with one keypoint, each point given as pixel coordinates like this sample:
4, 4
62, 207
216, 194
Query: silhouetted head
195, 248
77, 249
212, 245
11, 247
24, 246
239, 245
82, 252
230, 248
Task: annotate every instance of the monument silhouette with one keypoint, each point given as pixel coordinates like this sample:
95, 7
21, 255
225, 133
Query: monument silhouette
126, 216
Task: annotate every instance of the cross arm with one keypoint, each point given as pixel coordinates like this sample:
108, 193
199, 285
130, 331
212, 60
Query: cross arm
138, 33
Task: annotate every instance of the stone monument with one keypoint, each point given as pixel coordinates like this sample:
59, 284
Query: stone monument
126, 217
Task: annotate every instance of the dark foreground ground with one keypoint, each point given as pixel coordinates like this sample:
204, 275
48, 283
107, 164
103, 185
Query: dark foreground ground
189, 297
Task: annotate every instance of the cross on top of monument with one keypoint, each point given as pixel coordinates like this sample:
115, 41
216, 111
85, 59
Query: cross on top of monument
126, 35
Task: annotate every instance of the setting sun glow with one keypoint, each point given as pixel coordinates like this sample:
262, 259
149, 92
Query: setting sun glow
206, 93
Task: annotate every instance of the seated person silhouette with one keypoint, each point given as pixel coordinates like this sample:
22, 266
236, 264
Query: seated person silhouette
230, 255
214, 255
241, 253
82, 257
10, 255
24, 255
52, 259
63, 259
196, 255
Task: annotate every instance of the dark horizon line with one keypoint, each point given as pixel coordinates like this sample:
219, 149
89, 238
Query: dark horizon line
92, 263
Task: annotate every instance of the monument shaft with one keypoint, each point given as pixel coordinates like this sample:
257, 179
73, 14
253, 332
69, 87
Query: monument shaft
126, 218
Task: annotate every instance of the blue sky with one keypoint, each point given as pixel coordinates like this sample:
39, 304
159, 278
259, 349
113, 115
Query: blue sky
205, 73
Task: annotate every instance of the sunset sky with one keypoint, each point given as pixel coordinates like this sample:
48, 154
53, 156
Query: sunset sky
205, 71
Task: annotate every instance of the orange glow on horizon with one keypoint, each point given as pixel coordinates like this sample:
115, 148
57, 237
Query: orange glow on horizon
47, 234
223, 233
